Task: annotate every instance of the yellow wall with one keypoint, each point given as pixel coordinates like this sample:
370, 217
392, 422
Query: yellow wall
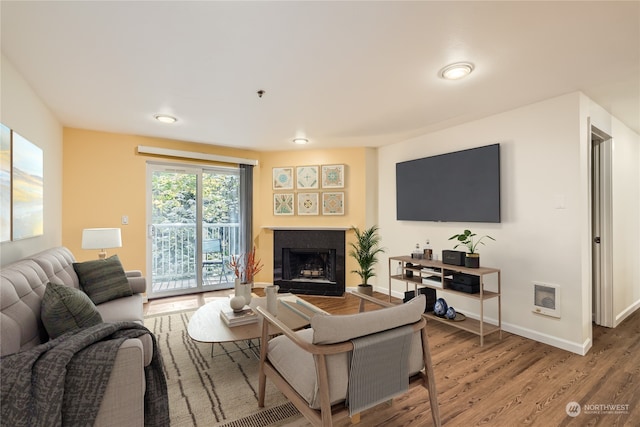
104, 178
357, 163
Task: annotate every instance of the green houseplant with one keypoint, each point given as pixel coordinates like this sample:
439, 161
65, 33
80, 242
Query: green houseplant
468, 238
365, 251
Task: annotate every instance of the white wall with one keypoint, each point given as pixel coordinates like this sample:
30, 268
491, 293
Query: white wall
23, 111
544, 235
625, 195
371, 173
536, 241
626, 221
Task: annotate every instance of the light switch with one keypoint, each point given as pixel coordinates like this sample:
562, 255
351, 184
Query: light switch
560, 201
125, 219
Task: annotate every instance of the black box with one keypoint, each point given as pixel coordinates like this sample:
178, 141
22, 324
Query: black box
453, 257
430, 295
463, 287
466, 279
408, 296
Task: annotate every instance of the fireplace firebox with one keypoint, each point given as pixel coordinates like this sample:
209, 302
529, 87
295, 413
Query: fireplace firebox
310, 262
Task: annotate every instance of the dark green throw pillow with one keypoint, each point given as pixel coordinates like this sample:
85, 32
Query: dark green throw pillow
64, 309
103, 279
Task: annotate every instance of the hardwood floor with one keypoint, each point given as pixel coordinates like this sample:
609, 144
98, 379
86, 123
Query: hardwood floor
508, 382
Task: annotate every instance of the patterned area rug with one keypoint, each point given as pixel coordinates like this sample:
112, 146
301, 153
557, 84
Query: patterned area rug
214, 391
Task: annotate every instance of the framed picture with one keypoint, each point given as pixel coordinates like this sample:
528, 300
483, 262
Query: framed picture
333, 176
307, 203
307, 177
333, 203
283, 204
27, 181
5, 183
283, 178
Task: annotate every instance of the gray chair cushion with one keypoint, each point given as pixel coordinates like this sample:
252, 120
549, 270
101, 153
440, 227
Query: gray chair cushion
298, 367
64, 309
103, 279
329, 329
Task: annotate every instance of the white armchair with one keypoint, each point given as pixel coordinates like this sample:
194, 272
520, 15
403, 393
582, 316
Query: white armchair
331, 371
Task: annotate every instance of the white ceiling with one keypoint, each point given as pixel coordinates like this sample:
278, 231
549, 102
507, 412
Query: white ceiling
339, 73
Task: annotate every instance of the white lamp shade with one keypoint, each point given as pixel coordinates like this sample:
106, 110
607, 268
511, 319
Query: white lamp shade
101, 238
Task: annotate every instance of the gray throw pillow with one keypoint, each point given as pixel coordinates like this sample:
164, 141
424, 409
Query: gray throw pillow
64, 309
103, 279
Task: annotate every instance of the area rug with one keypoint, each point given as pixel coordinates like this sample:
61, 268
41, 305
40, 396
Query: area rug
214, 391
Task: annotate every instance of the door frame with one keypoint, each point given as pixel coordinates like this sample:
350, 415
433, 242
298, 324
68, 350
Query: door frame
601, 202
199, 170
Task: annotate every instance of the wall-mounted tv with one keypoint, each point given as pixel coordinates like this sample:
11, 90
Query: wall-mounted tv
463, 186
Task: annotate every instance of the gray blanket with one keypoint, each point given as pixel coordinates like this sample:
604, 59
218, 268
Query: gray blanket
62, 382
379, 368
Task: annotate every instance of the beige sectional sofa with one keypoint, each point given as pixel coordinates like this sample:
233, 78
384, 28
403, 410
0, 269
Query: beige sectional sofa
22, 286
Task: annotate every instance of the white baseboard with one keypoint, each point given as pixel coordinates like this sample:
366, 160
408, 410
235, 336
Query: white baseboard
626, 313
563, 344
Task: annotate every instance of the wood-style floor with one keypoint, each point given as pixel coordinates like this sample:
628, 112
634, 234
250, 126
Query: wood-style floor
509, 382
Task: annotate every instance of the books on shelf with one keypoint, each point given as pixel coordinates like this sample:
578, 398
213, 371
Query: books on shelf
435, 281
244, 317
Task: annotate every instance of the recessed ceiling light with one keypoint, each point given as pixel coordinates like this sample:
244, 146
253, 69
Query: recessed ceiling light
456, 71
165, 118
300, 141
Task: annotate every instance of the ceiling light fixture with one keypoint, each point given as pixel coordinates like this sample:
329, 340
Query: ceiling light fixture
456, 71
300, 141
165, 118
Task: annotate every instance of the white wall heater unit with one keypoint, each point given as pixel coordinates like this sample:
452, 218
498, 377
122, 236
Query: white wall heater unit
546, 299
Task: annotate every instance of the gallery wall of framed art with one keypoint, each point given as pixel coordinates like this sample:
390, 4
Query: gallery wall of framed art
309, 190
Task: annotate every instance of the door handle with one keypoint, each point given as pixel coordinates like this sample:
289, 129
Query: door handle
596, 239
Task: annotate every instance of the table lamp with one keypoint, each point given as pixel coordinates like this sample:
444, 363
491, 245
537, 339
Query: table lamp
101, 238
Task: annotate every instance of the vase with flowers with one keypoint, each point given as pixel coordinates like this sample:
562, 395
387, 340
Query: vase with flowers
245, 267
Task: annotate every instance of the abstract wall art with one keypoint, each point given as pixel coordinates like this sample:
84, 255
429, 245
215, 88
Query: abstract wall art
307, 177
307, 203
282, 178
5, 183
333, 203
27, 185
283, 204
333, 176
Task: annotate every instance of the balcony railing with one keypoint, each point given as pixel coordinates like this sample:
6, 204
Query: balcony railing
175, 248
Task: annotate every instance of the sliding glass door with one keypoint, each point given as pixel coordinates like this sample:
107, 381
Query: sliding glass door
193, 228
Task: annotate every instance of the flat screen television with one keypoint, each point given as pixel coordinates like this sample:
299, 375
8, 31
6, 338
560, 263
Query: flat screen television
463, 186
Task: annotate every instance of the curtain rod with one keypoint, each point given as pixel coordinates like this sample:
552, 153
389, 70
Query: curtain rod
143, 149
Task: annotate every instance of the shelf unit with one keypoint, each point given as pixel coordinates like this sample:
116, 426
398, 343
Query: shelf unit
435, 273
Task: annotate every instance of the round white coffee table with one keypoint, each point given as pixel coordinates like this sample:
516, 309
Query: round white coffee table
206, 325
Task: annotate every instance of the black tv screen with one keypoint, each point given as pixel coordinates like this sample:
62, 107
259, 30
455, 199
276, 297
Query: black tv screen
463, 186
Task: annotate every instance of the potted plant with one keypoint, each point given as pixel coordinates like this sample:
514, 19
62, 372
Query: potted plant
365, 251
245, 267
467, 238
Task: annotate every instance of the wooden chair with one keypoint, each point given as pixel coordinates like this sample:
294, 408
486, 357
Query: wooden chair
311, 367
